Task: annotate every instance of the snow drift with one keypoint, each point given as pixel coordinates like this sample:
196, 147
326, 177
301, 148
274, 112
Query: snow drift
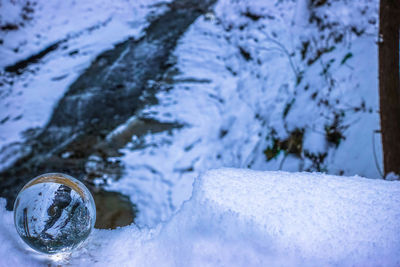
247, 218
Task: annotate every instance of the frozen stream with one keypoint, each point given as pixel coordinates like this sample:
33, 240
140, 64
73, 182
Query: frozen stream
110, 91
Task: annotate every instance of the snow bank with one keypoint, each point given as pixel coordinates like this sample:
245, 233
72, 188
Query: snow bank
248, 218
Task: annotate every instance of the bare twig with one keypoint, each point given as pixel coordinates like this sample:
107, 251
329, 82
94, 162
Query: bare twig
283, 49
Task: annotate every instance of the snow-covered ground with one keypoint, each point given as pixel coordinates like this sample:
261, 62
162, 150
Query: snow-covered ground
83, 29
252, 80
249, 218
236, 104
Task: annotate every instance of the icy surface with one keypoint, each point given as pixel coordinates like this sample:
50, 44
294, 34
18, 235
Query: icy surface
249, 218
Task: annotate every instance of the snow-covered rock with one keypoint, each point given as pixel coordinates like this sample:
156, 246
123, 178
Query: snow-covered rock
240, 217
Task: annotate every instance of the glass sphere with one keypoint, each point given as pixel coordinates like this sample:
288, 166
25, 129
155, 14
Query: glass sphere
54, 213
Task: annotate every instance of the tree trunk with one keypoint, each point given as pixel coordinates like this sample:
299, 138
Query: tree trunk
389, 83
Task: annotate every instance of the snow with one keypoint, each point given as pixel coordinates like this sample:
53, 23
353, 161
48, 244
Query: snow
85, 29
239, 217
231, 107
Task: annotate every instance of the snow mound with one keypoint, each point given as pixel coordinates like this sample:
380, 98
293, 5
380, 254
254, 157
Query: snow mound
248, 218
338, 220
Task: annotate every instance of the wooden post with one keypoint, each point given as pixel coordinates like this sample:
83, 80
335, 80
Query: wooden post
389, 83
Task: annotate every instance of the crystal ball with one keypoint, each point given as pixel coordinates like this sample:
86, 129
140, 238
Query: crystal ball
54, 213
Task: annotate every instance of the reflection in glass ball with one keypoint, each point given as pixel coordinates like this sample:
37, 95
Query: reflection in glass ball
54, 213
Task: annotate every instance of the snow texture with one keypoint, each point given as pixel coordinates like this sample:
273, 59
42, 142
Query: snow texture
240, 217
235, 79
83, 29
230, 104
